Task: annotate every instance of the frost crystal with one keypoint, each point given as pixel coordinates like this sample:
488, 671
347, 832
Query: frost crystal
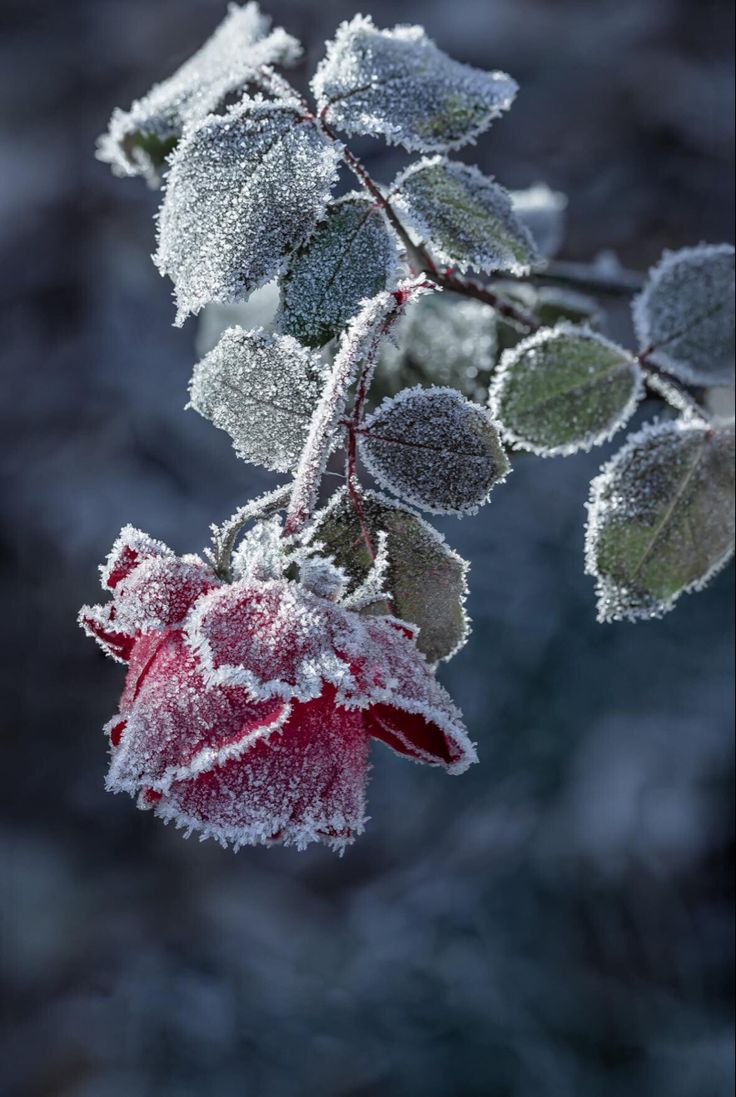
262, 389
138, 140
396, 84
467, 219
564, 389
351, 256
425, 580
244, 190
543, 212
686, 314
435, 449
661, 518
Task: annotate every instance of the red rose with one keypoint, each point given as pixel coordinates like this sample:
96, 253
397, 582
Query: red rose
248, 707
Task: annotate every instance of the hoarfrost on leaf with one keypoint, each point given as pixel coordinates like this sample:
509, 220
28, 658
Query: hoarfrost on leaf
467, 219
435, 449
351, 256
686, 314
661, 518
425, 579
564, 389
245, 189
139, 140
542, 210
262, 389
398, 85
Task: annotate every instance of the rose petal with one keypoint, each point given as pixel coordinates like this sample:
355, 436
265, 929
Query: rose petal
130, 549
160, 591
100, 623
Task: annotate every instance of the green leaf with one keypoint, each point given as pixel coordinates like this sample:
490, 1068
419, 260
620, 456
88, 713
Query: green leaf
686, 314
435, 449
563, 390
425, 577
350, 256
467, 219
661, 518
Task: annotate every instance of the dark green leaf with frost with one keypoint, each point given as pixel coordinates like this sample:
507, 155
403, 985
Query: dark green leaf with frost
686, 313
262, 389
563, 390
435, 449
425, 578
351, 256
397, 85
661, 518
245, 189
467, 219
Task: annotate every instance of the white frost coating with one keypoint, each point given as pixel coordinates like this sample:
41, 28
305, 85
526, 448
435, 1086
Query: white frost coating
435, 449
130, 547
138, 139
158, 593
244, 190
351, 256
467, 219
660, 518
374, 587
359, 345
542, 210
262, 389
258, 311
686, 313
397, 85
564, 389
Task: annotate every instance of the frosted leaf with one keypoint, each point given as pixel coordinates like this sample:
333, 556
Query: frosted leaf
396, 84
425, 579
244, 190
564, 389
543, 212
358, 351
350, 256
435, 449
139, 140
258, 311
442, 339
262, 389
686, 313
661, 518
467, 219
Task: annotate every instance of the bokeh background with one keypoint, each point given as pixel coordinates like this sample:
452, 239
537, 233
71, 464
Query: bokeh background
555, 923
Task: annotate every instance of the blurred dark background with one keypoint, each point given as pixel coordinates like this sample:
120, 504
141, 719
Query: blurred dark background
555, 923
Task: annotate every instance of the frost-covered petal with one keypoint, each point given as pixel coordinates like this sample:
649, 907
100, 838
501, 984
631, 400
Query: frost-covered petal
305, 783
139, 139
159, 593
100, 623
131, 547
245, 189
170, 726
398, 85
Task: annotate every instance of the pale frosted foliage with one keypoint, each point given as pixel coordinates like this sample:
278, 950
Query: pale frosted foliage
543, 212
686, 313
435, 449
262, 389
425, 580
358, 351
352, 255
244, 190
396, 84
442, 339
563, 390
467, 219
139, 139
661, 518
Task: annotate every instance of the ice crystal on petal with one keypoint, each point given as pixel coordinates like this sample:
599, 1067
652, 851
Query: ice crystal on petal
467, 219
139, 139
131, 547
686, 314
661, 518
564, 389
543, 212
262, 389
159, 593
435, 449
398, 85
244, 190
425, 580
351, 256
